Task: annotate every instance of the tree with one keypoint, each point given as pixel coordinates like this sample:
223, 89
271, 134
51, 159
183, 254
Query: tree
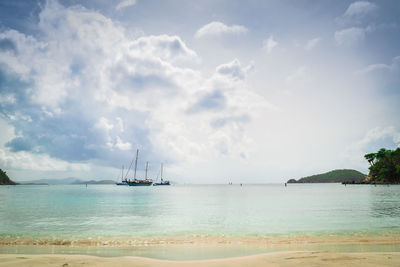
4, 179
385, 166
370, 157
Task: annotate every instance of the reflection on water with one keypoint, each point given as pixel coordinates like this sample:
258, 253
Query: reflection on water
385, 201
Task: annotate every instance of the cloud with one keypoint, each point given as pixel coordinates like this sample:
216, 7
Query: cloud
214, 96
114, 93
269, 44
234, 69
216, 28
7, 45
379, 133
311, 44
299, 76
221, 122
214, 100
372, 141
7, 99
360, 9
169, 48
375, 67
358, 13
229, 105
125, 3
123, 146
27, 161
350, 36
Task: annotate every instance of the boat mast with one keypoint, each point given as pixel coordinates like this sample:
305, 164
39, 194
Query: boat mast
147, 165
122, 177
137, 154
161, 171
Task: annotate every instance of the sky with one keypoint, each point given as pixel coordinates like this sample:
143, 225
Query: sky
218, 91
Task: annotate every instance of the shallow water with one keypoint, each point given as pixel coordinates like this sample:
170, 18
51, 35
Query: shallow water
74, 211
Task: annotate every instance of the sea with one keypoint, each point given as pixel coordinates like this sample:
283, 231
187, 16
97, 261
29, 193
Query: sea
250, 210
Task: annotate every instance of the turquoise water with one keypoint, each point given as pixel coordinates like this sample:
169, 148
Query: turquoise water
267, 210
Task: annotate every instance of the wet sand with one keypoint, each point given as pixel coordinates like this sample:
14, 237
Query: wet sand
328, 250
204, 240
291, 258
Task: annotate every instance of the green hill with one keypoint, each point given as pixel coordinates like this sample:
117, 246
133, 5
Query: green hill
4, 179
335, 176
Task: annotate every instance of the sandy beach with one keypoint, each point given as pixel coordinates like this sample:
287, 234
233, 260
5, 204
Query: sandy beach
358, 250
292, 258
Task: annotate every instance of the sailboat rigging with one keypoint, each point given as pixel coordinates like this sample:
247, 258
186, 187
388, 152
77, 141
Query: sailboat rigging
123, 182
162, 181
139, 182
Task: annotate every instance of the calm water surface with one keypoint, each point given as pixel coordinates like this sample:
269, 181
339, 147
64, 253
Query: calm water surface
109, 210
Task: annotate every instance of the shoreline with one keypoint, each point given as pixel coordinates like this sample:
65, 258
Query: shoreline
202, 240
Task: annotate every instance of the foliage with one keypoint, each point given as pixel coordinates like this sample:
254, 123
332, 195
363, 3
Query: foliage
335, 176
4, 179
385, 166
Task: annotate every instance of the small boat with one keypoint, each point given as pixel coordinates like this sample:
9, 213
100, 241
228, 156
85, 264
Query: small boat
139, 182
162, 181
123, 181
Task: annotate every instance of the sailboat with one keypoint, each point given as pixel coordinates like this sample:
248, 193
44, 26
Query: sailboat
162, 181
139, 182
123, 182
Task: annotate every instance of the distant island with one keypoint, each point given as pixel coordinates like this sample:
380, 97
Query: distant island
65, 181
5, 180
335, 176
95, 182
384, 167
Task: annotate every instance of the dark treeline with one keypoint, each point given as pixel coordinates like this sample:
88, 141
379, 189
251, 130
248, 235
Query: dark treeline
385, 166
4, 179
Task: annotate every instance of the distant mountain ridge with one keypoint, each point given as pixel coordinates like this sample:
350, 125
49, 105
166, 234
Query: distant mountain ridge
69, 180
95, 182
335, 176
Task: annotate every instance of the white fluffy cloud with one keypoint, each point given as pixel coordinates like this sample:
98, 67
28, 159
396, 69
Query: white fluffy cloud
125, 3
358, 13
358, 21
371, 142
311, 44
350, 36
168, 48
379, 133
269, 44
217, 28
381, 66
28, 161
234, 69
95, 94
360, 9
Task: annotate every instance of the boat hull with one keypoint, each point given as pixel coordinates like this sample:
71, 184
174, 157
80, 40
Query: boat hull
157, 184
139, 184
